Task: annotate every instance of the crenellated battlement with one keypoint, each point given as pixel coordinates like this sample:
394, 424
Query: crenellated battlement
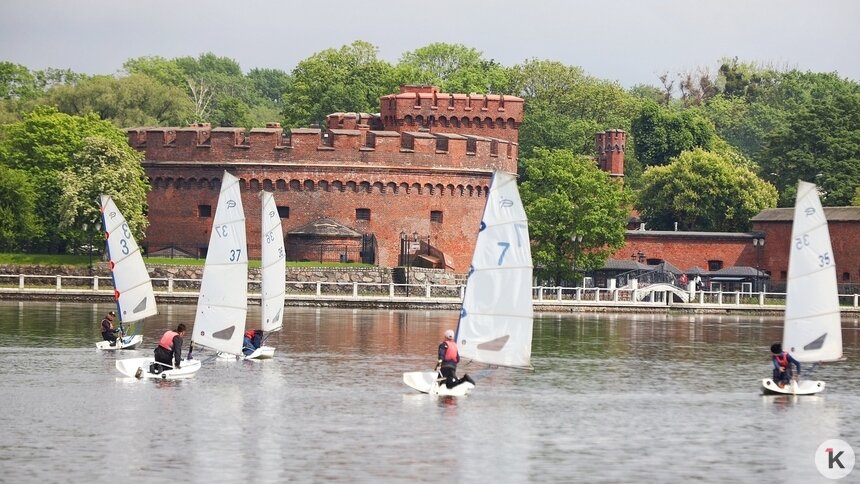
351, 143
490, 115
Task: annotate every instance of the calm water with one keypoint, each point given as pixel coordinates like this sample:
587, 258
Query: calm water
618, 398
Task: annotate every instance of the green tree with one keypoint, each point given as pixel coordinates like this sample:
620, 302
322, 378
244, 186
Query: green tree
453, 68
819, 140
17, 209
103, 167
564, 107
349, 79
165, 71
565, 195
703, 191
660, 133
135, 100
43, 145
270, 84
17, 82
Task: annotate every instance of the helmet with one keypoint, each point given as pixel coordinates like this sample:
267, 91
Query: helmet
449, 334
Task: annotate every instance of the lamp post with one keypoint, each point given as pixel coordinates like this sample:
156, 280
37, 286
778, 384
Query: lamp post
576, 239
404, 256
758, 243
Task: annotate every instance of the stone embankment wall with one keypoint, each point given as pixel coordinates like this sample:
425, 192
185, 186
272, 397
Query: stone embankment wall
188, 276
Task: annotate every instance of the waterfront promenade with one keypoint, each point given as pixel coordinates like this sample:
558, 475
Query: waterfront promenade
415, 296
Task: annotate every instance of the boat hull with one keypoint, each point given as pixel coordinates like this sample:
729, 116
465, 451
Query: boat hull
804, 387
428, 382
130, 366
127, 343
261, 353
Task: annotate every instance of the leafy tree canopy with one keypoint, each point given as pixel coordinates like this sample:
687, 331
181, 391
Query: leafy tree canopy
819, 141
566, 195
134, 100
17, 209
44, 145
349, 79
703, 191
103, 167
660, 133
453, 68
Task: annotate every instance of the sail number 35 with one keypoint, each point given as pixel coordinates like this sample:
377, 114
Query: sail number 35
824, 259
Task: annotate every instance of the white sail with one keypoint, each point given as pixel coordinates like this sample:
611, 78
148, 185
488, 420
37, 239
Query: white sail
219, 323
496, 319
812, 330
273, 268
135, 299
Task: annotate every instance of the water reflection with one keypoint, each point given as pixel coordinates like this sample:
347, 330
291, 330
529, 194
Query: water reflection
614, 397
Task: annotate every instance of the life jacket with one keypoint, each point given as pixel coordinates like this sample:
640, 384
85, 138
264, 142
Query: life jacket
249, 334
107, 325
451, 353
782, 359
167, 340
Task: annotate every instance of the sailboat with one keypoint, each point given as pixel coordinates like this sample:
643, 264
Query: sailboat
812, 331
495, 325
219, 321
273, 274
135, 299
223, 302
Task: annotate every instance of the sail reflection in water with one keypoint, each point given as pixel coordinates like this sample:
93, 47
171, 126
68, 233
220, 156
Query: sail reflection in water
660, 398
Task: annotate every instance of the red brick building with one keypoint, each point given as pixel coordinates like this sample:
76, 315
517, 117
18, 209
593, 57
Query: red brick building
409, 184
421, 168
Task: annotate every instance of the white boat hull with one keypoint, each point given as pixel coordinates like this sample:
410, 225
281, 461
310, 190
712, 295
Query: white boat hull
130, 366
127, 343
804, 387
428, 382
261, 353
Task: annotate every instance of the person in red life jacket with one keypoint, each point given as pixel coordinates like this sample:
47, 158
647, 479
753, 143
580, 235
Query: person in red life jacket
252, 340
108, 331
448, 359
782, 362
170, 348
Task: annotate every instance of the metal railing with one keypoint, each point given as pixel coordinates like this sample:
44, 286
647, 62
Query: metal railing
24, 285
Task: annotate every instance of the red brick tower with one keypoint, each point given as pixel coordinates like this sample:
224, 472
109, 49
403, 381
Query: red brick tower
417, 107
610, 152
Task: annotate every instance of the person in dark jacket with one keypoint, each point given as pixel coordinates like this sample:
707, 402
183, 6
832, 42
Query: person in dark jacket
449, 356
252, 340
108, 331
782, 362
170, 348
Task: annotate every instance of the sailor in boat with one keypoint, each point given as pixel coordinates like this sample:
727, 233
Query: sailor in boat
782, 362
253, 340
448, 359
108, 331
169, 348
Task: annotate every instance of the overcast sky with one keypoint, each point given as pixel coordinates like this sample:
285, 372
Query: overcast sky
629, 41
